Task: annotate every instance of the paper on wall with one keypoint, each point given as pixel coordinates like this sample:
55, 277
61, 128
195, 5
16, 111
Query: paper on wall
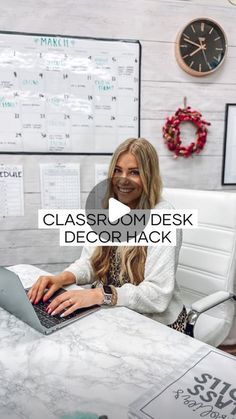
11, 190
60, 185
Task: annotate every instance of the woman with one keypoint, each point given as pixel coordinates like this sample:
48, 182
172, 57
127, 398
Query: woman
140, 278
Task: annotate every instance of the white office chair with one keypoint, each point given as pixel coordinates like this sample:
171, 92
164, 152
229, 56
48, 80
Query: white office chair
207, 266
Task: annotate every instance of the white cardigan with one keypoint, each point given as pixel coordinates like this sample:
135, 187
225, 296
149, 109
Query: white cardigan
158, 295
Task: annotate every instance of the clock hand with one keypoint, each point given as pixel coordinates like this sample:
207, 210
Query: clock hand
196, 50
204, 54
191, 42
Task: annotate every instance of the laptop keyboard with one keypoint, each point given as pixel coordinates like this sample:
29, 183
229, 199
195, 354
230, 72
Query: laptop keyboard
49, 321
46, 319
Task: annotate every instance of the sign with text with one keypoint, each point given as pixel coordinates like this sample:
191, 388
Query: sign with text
205, 390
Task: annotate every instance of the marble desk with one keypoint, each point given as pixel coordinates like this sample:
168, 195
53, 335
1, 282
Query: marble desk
101, 363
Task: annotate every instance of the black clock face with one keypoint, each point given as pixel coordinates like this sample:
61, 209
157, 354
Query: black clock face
202, 46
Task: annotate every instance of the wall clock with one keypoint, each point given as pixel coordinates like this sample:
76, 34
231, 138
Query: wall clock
201, 47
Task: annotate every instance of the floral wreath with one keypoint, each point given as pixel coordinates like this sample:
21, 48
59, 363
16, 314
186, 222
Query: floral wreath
171, 132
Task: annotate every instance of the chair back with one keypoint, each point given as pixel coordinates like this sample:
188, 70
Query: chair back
208, 256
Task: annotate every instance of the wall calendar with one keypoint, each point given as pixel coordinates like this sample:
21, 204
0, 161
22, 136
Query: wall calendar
67, 95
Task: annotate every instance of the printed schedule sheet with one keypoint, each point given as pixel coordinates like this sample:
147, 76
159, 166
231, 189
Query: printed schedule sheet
11, 190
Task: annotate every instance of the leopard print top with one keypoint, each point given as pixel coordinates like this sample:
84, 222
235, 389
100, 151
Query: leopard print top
180, 323
113, 276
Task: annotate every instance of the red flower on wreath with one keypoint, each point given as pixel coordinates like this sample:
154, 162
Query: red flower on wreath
171, 132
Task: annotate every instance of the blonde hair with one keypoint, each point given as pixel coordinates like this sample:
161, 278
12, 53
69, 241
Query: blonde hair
132, 258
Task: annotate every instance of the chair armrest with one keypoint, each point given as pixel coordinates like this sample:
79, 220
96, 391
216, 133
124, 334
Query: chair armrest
205, 304
211, 301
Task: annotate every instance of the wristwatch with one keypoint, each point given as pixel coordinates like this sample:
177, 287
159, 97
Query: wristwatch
108, 294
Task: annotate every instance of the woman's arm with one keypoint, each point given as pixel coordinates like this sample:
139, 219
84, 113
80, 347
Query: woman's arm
82, 268
154, 293
79, 272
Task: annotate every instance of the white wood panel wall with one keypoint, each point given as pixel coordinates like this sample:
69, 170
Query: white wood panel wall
155, 23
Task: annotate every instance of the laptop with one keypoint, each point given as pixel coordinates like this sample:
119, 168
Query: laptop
13, 298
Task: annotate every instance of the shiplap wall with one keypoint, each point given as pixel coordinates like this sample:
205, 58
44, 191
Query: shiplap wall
156, 24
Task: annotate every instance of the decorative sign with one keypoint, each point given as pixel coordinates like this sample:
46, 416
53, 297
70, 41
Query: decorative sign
67, 94
205, 390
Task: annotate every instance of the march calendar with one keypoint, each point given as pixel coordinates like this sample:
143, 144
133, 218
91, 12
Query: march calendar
67, 95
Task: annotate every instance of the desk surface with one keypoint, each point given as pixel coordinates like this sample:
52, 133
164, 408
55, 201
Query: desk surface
101, 363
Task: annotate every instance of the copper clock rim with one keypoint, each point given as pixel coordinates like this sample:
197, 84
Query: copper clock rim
178, 55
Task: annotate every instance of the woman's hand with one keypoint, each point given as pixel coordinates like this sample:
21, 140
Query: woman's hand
52, 282
70, 301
